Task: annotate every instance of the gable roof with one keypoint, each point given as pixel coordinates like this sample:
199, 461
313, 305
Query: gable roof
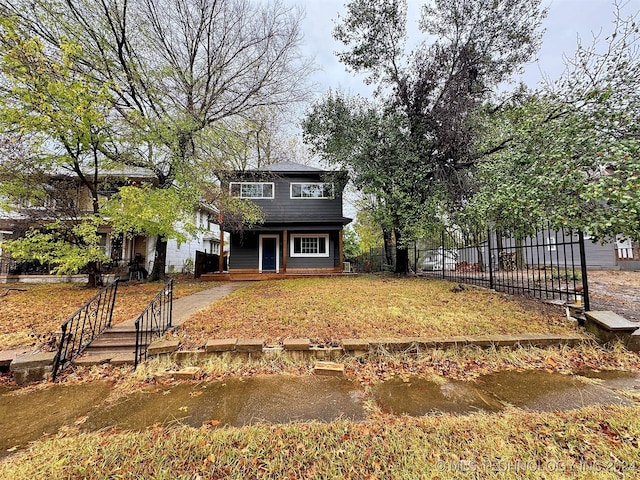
289, 167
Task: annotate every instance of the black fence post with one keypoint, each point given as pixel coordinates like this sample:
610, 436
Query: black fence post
583, 266
58, 359
443, 252
170, 294
490, 258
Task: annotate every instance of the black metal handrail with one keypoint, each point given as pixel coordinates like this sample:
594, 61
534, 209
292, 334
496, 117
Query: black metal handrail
153, 321
81, 328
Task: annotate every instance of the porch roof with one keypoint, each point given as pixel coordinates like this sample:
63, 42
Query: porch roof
301, 226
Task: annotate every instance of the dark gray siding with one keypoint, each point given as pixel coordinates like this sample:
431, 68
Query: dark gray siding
293, 215
283, 209
244, 251
316, 262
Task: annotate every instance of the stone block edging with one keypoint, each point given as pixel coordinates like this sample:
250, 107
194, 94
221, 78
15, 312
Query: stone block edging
608, 326
30, 367
303, 347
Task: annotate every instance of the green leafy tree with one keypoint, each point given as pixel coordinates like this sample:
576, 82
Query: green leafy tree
572, 150
351, 244
59, 117
65, 249
145, 210
413, 149
176, 71
368, 230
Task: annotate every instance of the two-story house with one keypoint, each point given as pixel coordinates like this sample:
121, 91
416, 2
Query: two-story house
68, 200
302, 230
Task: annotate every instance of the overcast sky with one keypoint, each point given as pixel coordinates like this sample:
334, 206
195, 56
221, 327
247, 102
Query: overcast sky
566, 20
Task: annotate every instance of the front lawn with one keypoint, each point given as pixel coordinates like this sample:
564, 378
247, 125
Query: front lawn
29, 318
591, 442
327, 310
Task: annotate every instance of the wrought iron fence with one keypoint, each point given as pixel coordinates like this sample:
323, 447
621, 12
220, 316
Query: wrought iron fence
550, 264
84, 326
153, 321
375, 260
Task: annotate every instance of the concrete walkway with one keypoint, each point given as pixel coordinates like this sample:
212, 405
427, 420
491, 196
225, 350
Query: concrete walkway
184, 307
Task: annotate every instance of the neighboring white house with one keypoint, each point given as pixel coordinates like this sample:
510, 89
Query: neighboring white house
138, 250
181, 256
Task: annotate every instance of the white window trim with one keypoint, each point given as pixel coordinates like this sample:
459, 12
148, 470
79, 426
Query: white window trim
311, 198
277, 237
551, 244
309, 235
624, 248
273, 189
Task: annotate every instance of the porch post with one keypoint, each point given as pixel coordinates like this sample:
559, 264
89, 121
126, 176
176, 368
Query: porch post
341, 243
285, 251
221, 256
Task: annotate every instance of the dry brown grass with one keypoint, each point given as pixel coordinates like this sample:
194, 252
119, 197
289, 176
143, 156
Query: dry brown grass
28, 318
327, 310
589, 443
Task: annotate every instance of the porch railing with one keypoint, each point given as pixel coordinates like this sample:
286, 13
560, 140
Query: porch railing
153, 321
84, 326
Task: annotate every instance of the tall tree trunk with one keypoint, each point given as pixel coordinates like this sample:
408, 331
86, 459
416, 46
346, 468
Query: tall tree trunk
402, 256
160, 261
500, 248
480, 250
94, 277
388, 246
520, 263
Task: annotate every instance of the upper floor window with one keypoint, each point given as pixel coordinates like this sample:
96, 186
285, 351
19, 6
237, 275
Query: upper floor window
251, 189
312, 190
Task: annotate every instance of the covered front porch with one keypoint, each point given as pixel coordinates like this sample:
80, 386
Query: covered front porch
276, 252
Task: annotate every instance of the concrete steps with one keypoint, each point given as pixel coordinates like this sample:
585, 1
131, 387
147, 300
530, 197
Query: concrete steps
608, 326
113, 358
115, 345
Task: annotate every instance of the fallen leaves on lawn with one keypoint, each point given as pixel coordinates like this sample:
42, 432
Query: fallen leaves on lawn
328, 310
31, 317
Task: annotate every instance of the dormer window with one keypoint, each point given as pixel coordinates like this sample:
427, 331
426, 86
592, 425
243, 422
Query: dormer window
251, 189
311, 190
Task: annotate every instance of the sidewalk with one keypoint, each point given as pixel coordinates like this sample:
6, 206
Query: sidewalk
184, 307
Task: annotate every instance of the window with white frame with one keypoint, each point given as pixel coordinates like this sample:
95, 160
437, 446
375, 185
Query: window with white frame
251, 189
311, 190
309, 245
551, 244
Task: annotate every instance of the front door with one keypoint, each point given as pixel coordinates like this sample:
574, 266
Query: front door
269, 254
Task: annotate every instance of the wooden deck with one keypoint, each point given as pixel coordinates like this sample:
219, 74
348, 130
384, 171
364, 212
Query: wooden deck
257, 276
